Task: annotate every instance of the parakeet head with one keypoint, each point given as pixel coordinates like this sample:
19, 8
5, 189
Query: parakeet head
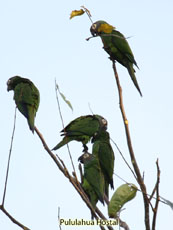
12, 82
85, 157
101, 27
101, 135
103, 122
94, 29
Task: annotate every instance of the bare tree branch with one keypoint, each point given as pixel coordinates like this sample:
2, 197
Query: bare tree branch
2, 208
9, 157
156, 185
80, 171
123, 224
130, 147
12, 218
157, 197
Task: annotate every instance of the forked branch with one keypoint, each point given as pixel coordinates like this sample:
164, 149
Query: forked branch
2, 208
60, 164
12, 218
131, 152
156, 189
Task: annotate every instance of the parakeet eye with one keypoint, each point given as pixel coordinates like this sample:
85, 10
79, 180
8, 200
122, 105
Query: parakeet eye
86, 155
104, 122
94, 26
8, 82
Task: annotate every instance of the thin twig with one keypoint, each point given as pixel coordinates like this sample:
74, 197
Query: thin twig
107, 35
123, 225
121, 178
167, 202
157, 197
2, 208
59, 218
80, 171
9, 157
162, 201
103, 218
153, 192
152, 195
90, 108
59, 108
88, 13
12, 218
130, 147
61, 117
124, 159
156, 185
48, 150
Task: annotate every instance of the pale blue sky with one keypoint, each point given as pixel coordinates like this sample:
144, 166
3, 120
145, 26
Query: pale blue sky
38, 41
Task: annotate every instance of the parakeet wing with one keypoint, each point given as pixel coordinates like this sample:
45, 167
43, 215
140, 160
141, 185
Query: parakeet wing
27, 100
84, 125
82, 129
78, 137
26, 95
120, 42
94, 176
105, 154
90, 192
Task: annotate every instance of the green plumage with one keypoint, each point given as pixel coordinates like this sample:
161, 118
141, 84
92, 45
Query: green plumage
116, 45
26, 97
82, 129
103, 150
93, 179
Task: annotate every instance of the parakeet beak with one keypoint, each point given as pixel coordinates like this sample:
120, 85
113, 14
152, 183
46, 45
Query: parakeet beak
84, 157
93, 30
8, 86
81, 159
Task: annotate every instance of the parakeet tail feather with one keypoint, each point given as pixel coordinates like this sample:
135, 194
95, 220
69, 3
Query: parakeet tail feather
133, 77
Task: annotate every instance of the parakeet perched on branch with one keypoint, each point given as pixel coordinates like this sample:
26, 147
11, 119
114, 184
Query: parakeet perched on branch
102, 149
82, 129
116, 45
26, 97
93, 179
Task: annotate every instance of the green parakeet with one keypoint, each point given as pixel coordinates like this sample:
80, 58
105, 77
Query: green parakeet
116, 45
93, 179
26, 97
103, 150
82, 129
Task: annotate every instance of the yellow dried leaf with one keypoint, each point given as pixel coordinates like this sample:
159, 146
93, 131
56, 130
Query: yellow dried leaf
106, 28
75, 13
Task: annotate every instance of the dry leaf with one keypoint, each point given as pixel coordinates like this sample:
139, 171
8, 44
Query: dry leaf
64, 98
75, 13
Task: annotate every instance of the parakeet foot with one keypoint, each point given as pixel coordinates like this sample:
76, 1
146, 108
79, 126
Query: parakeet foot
112, 59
